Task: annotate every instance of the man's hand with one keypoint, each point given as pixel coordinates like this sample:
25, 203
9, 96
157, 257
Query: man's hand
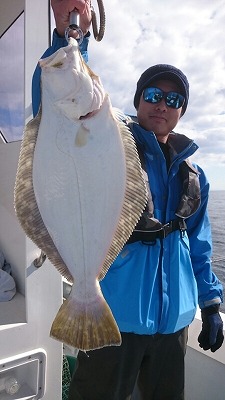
211, 336
62, 10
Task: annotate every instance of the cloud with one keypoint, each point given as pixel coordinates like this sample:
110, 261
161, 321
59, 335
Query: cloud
12, 66
184, 34
12, 81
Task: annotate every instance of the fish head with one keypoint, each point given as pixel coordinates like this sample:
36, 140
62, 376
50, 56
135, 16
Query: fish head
70, 84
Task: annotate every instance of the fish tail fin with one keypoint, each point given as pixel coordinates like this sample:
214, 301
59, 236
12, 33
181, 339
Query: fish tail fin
86, 326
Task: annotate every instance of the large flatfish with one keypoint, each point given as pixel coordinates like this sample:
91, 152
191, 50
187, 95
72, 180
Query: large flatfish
79, 192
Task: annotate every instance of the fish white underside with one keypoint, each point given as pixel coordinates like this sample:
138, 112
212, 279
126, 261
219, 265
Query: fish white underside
81, 180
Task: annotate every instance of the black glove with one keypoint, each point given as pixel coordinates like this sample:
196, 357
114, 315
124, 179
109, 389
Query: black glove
211, 336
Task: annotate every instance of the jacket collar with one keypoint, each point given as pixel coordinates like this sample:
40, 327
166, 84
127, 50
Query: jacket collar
180, 145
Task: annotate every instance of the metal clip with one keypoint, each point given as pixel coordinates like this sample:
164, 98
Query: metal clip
39, 261
182, 227
166, 229
74, 26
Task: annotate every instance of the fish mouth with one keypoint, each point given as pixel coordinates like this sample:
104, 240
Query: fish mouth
89, 114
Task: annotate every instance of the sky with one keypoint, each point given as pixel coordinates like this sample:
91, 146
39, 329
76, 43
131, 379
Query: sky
142, 33
12, 81
187, 35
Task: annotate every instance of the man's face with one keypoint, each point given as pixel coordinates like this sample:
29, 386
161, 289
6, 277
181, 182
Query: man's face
158, 117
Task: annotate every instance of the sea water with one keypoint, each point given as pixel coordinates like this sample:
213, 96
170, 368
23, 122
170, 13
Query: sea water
216, 208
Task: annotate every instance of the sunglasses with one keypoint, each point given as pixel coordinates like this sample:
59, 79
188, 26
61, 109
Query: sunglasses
155, 95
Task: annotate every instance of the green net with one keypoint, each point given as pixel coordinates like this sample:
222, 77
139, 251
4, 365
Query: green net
69, 363
66, 378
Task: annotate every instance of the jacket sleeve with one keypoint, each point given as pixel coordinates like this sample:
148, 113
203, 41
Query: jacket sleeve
210, 290
57, 42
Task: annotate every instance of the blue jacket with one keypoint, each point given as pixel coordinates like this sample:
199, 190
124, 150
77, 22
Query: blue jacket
156, 288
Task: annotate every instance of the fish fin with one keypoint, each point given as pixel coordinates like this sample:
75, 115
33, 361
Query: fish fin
136, 197
85, 326
25, 204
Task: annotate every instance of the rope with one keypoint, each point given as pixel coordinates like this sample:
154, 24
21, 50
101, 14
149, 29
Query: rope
98, 34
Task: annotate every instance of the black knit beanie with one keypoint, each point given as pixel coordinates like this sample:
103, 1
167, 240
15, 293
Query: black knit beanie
158, 72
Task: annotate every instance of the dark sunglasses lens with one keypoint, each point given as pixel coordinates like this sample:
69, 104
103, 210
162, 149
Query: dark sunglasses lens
153, 95
174, 100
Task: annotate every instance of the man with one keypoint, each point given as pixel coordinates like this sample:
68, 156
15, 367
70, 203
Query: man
164, 270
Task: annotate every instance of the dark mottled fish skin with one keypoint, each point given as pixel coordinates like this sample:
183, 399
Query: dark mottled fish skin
25, 201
